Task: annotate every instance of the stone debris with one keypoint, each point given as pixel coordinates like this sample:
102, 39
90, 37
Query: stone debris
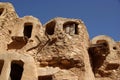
58, 50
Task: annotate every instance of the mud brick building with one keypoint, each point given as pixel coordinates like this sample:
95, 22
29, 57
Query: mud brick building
58, 50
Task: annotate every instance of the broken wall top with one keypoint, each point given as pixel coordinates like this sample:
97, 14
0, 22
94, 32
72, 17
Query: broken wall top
72, 28
7, 11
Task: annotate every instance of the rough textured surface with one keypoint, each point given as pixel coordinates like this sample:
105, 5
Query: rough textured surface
57, 50
105, 54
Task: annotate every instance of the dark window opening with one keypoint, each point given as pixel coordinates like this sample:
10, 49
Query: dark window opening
16, 70
98, 53
47, 77
1, 65
50, 27
71, 28
1, 11
28, 29
115, 48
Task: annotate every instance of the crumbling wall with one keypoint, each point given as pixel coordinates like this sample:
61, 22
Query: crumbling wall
26, 34
66, 48
105, 59
7, 16
57, 50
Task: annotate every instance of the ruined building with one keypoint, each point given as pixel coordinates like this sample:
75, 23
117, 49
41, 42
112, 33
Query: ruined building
58, 50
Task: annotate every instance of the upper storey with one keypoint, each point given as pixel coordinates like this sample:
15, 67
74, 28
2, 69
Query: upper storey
7, 11
73, 29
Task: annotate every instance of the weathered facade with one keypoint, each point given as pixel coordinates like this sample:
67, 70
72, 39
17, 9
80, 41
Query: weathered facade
105, 53
58, 50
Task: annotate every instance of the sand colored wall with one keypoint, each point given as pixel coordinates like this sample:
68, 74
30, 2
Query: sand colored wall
59, 49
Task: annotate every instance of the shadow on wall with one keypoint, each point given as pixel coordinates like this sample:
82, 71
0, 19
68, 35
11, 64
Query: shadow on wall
17, 43
1, 11
48, 77
1, 65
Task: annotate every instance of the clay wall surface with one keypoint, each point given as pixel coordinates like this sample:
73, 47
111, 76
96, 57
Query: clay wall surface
57, 50
105, 58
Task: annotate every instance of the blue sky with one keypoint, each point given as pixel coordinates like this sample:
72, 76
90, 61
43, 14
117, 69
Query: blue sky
100, 16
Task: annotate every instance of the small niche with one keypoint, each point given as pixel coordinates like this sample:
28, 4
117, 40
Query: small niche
50, 28
16, 70
47, 77
1, 65
1, 11
28, 29
115, 48
112, 66
70, 28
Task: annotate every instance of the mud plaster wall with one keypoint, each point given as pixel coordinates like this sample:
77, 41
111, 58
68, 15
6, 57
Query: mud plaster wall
75, 45
59, 47
7, 14
108, 59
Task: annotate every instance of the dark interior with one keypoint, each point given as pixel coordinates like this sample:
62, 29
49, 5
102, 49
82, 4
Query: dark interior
50, 28
98, 53
1, 11
1, 65
16, 70
47, 77
28, 29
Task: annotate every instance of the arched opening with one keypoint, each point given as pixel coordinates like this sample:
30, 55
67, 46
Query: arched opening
47, 77
70, 28
102, 42
28, 29
16, 70
98, 53
50, 28
1, 65
1, 11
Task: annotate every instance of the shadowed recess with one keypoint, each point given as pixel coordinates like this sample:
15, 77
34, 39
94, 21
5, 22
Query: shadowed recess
70, 27
1, 65
1, 11
16, 70
47, 77
50, 28
28, 29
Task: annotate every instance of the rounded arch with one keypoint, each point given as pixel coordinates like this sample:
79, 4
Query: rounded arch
103, 38
50, 28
